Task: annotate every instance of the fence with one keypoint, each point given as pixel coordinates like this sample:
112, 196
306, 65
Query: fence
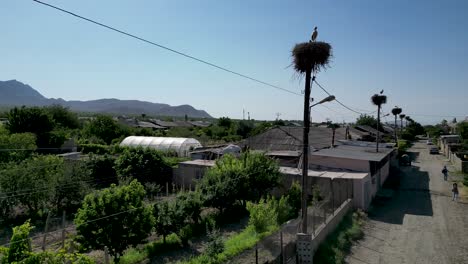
280, 247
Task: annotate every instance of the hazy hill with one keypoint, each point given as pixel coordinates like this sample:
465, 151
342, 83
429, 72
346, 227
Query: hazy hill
15, 93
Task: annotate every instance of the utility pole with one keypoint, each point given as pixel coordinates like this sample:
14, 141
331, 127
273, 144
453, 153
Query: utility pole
305, 151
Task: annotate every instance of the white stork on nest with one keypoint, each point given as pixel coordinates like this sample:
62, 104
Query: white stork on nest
314, 35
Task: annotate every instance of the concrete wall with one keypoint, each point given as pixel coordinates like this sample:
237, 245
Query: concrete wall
458, 163
330, 224
186, 174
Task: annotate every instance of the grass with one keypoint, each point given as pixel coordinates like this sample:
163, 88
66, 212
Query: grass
134, 255
338, 244
403, 145
235, 245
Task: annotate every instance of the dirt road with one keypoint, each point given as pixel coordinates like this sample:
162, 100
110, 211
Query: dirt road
421, 223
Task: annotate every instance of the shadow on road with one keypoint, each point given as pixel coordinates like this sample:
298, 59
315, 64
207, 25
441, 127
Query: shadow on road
411, 196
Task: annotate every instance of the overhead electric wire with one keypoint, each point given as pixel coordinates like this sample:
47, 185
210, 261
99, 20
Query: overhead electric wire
345, 106
167, 48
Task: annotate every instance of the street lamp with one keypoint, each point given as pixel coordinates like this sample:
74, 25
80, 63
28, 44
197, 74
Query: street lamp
305, 160
324, 100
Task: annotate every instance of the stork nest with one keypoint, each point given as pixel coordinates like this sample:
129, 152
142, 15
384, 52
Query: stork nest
378, 99
311, 56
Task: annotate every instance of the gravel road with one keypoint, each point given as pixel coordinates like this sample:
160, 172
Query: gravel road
420, 223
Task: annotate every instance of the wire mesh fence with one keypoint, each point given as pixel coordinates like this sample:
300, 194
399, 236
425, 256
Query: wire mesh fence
280, 247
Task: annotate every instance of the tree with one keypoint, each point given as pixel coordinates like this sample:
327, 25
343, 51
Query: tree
234, 180
18, 146
101, 169
262, 175
105, 128
367, 120
190, 204
31, 119
126, 221
20, 243
225, 122
462, 129
40, 173
63, 117
167, 219
143, 164
244, 128
72, 186
396, 111
378, 100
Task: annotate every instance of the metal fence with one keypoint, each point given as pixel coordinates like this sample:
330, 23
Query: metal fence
280, 247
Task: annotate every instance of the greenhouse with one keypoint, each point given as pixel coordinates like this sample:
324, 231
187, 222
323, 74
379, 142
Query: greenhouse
182, 146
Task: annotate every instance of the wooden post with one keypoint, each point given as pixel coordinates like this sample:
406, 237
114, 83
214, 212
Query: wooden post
256, 253
106, 256
45, 231
281, 245
167, 189
63, 229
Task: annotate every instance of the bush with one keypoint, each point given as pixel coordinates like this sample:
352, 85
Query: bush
94, 148
215, 243
295, 197
338, 243
20, 251
263, 216
130, 224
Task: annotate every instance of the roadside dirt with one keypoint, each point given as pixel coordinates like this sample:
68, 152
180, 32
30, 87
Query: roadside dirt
421, 223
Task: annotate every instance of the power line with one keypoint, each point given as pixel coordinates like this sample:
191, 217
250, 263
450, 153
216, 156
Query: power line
352, 110
168, 49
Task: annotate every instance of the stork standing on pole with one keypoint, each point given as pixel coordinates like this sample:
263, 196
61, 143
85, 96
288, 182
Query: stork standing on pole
314, 35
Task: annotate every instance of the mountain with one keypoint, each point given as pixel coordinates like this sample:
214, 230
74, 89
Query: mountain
15, 93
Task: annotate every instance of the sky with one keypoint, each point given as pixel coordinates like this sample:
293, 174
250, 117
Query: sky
416, 51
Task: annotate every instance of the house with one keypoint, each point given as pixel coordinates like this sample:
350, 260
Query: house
287, 138
345, 184
133, 122
446, 141
171, 124
215, 152
358, 157
372, 131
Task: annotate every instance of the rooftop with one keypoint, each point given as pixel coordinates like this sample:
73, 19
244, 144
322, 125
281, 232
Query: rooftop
329, 173
354, 152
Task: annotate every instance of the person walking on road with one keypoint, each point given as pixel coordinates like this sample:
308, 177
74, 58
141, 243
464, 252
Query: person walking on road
445, 172
455, 192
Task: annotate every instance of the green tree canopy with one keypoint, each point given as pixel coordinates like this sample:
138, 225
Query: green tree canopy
16, 147
32, 182
105, 128
367, 120
34, 120
63, 117
143, 164
115, 218
234, 180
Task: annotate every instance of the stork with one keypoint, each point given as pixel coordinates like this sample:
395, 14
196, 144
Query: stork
314, 35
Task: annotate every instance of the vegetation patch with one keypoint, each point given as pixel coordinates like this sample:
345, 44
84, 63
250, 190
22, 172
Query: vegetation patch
338, 243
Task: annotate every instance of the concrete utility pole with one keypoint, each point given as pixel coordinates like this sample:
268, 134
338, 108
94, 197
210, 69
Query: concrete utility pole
305, 149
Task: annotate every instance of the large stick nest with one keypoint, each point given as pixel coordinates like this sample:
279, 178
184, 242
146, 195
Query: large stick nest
379, 99
311, 56
396, 111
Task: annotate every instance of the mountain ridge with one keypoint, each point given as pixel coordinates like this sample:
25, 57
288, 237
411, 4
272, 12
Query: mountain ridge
15, 93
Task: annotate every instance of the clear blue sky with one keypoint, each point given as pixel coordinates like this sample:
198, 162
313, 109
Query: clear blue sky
416, 51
